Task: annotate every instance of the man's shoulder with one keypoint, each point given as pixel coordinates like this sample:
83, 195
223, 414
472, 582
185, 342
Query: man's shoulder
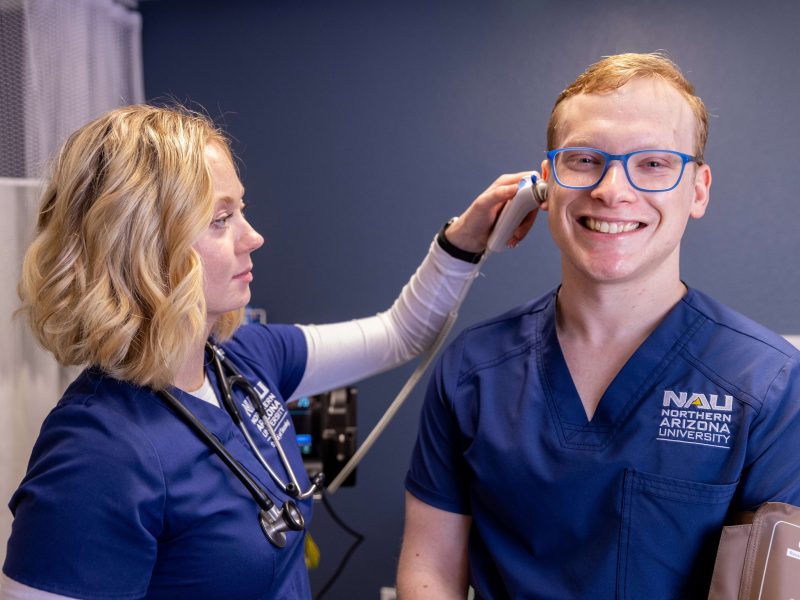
725, 326
738, 352
509, 334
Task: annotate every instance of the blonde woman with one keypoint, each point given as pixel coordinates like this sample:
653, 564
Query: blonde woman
142, 254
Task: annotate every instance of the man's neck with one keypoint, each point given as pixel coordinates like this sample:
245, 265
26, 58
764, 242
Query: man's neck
597, 313
600, 326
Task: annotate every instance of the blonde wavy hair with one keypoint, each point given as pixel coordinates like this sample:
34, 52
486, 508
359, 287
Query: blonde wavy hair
111, 279
612, 72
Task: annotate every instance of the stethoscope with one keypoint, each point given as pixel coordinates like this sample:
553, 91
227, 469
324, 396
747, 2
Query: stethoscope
274, 521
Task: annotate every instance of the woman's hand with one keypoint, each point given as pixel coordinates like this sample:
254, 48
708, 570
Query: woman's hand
472, 229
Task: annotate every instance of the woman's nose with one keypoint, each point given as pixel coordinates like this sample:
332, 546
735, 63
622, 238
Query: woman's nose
250, 239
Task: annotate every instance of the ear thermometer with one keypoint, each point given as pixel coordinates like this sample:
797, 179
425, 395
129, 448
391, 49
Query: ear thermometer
530, 195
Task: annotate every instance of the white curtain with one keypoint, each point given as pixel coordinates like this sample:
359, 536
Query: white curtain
62, 63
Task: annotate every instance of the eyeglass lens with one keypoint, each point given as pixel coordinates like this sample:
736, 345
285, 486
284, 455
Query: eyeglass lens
653, 170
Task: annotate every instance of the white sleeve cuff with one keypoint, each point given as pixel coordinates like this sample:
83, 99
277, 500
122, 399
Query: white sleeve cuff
14, 590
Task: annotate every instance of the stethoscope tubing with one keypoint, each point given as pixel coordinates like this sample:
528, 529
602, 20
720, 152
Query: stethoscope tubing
261, 498
226, 384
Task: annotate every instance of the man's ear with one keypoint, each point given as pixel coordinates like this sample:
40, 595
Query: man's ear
702, 191
547, 178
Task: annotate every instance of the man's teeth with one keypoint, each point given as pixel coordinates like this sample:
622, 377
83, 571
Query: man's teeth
607, 227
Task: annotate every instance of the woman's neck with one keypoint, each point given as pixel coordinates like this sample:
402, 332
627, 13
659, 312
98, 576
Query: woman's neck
191, 373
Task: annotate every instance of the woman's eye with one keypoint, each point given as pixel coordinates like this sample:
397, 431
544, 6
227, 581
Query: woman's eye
221, 221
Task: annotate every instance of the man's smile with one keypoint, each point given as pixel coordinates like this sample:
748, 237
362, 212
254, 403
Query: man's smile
612, 227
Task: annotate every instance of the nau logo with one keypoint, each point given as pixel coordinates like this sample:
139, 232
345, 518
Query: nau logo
694, 400
695, 418
276, 415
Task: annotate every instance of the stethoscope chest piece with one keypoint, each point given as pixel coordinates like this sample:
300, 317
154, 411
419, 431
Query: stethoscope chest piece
276, 522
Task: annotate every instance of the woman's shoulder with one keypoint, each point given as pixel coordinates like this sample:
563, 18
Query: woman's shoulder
255, 338
276, 352
100, 416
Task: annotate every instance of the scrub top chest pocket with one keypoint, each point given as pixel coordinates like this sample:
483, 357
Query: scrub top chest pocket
669, 528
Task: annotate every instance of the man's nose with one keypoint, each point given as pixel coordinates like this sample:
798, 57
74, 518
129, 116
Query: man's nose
614, 186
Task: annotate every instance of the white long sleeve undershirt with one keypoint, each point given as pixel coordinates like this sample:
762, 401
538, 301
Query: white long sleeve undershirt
14, 590
342, 353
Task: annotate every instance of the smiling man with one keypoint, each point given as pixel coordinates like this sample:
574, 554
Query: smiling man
590, 443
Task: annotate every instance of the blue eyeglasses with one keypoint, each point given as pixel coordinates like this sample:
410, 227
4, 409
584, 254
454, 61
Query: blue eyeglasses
646, 170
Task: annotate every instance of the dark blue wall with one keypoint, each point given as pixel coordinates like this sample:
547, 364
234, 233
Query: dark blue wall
364, 125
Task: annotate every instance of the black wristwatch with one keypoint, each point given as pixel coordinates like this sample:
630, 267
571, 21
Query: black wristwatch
455, 251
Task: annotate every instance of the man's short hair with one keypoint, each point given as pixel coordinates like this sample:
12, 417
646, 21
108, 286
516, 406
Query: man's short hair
612, 72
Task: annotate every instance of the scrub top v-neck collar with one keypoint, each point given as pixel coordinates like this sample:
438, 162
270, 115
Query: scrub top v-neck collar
626, 389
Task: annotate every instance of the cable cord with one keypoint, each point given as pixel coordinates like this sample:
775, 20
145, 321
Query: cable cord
409, 385
401, 397
347, 555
